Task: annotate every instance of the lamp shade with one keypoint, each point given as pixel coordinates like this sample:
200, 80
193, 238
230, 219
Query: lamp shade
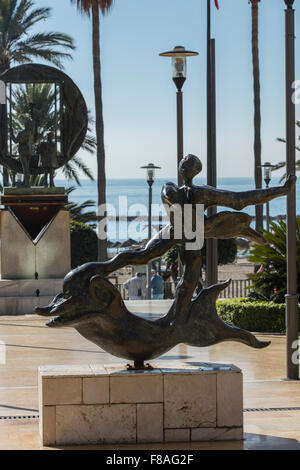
179, 55
151, 171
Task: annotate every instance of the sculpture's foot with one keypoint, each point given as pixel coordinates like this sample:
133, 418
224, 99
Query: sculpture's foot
139, 365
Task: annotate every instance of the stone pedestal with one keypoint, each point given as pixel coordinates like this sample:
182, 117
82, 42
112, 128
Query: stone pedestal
35, 247
35, 233
96, 404
20, 297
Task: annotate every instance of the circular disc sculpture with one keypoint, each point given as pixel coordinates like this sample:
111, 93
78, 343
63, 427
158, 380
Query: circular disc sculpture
73, 120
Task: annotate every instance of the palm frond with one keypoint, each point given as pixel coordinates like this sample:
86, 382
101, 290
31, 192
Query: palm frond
17, 17
85, 6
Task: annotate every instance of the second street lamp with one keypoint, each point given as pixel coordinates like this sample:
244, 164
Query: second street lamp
150, 180
179, 55
267, 177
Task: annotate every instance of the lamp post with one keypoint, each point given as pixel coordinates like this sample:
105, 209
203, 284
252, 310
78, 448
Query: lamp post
150, 180
179, 67
292, 316
267, 177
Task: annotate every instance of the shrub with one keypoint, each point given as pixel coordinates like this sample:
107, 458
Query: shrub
271, 280
227, 251
268, 317
84, 243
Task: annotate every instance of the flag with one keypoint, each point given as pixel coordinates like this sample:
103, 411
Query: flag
217, 5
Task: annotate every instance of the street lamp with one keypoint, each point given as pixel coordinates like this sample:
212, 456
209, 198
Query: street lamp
150, 180
267, 177
179, 68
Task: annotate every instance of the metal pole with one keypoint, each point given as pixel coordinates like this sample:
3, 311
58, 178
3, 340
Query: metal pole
179, 134
267, 211
150, 183
292, 316
160, 225
179, 82
268, 216
211, 244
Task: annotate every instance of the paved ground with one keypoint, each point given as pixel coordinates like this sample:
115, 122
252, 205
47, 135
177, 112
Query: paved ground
29, 344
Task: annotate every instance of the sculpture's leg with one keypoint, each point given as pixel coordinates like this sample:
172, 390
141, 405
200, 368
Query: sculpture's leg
227, 224
51, 178
25, 166
46, 180
187, 285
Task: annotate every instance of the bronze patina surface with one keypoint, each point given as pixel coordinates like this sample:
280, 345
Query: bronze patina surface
94, 307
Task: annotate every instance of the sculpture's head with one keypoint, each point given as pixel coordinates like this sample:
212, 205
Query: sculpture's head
189, 167
85, 297
50, 136
29, 125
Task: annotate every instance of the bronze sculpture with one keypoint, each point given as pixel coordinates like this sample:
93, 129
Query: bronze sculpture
94, 307
25, 139
48, 158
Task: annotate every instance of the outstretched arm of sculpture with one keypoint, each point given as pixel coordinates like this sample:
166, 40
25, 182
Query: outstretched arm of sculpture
210, 196
155, 248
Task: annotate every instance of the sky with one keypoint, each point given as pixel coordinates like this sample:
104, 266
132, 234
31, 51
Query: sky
139, 95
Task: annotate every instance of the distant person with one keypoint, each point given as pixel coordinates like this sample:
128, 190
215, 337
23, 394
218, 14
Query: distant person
143, 278
157, 286
135, 287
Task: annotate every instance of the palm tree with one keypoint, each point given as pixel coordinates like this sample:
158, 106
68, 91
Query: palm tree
17, 17
94, 7
78, 211
283, 164
17, 46
257, 112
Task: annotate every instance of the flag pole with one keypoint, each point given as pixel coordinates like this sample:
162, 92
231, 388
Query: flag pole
211, 244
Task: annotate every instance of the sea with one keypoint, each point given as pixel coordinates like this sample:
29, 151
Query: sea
131, 196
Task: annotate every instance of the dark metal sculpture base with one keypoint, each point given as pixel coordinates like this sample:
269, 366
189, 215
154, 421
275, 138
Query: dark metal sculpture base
139, 365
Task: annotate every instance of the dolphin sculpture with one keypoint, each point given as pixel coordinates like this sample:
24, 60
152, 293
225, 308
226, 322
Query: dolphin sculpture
94, 307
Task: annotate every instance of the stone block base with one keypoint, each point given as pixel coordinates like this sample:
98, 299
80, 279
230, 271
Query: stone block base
20, 297
97, 404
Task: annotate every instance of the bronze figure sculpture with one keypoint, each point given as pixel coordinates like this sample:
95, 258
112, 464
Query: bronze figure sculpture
48, 158
94, 307
25, 139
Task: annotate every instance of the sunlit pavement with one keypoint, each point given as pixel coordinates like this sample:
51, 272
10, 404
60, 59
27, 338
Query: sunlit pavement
30, 344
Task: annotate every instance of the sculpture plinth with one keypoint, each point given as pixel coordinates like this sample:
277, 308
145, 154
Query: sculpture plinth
35, 246
94, 404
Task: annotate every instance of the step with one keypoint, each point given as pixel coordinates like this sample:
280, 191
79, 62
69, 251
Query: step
25, 288
22, 305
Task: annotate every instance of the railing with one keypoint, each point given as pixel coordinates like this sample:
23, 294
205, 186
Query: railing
237, 288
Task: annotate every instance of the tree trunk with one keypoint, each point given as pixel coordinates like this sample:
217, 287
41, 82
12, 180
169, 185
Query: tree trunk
257, 113
3, 67
101, 180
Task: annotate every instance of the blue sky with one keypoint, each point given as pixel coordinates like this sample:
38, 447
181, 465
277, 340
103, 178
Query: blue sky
139, 95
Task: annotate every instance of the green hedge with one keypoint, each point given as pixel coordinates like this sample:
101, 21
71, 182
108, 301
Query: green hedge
84, 243
266, 317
